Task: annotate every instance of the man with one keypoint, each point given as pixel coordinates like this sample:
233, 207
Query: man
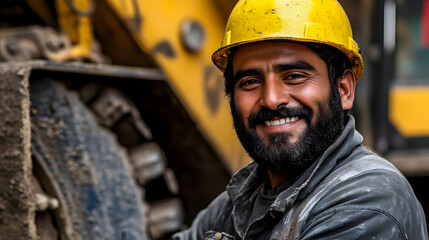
291, 68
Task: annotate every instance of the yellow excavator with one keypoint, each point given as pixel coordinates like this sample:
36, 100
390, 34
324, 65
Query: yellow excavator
114, 123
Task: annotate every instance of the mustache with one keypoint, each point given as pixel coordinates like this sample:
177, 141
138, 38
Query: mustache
266, 114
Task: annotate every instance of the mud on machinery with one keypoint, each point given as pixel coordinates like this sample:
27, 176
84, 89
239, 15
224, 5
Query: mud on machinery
110, 122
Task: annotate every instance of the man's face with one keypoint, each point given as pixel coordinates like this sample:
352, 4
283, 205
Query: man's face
282, 106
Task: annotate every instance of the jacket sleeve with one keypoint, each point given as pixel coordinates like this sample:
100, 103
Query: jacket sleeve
207, 219
372, 205
354, 223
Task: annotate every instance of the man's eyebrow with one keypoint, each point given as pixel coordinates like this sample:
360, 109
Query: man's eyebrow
247, 72
300, 65
278, 68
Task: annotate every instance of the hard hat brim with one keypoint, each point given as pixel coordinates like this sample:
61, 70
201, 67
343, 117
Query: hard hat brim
221, 55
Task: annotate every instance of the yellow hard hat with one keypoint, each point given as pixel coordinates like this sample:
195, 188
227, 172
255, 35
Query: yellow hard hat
318, 21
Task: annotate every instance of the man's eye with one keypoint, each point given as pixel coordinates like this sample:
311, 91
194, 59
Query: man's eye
248, 83
294, 76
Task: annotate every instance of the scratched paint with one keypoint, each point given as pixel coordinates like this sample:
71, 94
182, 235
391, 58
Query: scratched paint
213, 88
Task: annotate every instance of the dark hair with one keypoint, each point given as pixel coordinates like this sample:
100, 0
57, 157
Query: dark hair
335, 60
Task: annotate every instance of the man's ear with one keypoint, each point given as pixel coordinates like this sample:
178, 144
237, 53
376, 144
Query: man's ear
346, 86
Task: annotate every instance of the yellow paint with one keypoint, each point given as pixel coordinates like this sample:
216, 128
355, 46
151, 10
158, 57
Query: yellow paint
409, 110
161, 22
78, 28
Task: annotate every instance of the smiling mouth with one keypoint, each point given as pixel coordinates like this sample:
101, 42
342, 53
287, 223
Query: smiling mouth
281, 121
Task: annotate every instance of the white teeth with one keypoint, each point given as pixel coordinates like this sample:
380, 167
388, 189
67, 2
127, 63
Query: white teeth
281, 121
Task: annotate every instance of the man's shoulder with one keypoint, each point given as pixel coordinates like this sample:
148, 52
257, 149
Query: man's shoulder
368, 175
362, 160
369, 186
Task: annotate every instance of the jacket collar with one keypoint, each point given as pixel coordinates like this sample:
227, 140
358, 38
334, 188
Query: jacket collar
244, 183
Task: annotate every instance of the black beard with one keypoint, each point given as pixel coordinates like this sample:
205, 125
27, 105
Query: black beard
282, 157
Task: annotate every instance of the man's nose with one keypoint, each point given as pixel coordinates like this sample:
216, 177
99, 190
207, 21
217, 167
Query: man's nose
275, 94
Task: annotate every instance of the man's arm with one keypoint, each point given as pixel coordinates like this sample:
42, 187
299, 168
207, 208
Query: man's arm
354, 223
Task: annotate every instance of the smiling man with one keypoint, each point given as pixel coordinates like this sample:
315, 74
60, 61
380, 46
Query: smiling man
290, 68
283, 91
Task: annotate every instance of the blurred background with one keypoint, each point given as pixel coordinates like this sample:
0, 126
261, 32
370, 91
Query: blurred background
143, 70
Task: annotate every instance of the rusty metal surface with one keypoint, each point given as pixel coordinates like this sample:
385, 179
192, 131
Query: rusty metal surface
16, 208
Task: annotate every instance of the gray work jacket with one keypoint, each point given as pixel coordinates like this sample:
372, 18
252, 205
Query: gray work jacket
348, 193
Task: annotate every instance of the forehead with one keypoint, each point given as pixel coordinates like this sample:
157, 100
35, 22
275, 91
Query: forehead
273, 52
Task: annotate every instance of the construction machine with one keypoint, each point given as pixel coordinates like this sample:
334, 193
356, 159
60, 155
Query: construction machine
114, 123
113, 119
